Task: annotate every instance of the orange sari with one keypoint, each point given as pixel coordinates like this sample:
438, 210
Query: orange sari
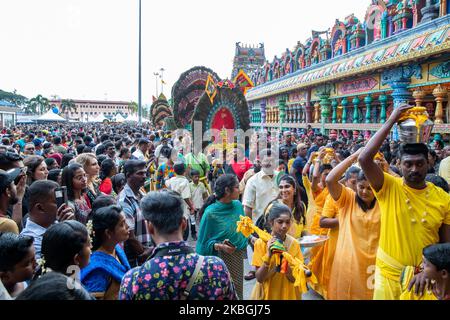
353, 271
317, 253
330, 210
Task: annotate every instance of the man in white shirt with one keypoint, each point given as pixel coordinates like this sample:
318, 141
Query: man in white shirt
140, 153
259, 191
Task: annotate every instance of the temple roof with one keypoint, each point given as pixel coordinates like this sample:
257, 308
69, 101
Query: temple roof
420, 42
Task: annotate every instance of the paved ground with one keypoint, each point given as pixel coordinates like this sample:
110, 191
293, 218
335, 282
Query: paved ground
248, 285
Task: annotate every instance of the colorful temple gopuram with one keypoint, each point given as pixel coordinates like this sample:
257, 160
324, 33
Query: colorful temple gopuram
353, 77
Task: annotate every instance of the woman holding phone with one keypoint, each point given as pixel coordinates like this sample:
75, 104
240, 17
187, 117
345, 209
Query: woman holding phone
74, 178
217, 234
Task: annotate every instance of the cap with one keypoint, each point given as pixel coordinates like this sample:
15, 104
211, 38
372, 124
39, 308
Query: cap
6, 177
37, 142
287, 133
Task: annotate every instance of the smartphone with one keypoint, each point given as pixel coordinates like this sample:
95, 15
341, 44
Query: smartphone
61, 196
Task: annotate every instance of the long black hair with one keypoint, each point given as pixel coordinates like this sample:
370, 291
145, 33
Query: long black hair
66, 159
61, 242
223, 184
67, 178
107, 168
273, 211
299, 213
105, 218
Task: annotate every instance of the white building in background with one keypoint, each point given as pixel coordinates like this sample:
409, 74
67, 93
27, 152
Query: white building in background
8, 114
85, 110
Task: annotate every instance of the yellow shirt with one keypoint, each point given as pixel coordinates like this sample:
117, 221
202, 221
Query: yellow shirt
330, 210
319, 199
353, 268
278, 287
296, 229
8, 225
311, 210
290, 162
401, 238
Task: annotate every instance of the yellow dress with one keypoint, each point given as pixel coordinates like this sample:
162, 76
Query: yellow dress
410, 220
317, 253
278, 287
311, 203
352, 273
330, 210
296, 229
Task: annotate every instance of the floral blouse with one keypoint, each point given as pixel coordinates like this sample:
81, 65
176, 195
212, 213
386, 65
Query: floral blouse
164, 278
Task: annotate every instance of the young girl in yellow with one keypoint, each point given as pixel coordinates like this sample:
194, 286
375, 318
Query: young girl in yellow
276, 285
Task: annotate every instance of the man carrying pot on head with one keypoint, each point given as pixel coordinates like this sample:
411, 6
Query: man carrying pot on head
414, 213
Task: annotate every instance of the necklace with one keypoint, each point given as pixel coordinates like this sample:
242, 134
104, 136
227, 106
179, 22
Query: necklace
410, 208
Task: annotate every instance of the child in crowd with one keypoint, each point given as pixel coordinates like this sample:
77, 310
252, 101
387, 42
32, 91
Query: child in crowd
199, 195
180, 184
17, 264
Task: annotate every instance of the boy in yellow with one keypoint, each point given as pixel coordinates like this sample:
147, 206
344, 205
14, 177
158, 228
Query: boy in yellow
414, 214
276, 285
330, 220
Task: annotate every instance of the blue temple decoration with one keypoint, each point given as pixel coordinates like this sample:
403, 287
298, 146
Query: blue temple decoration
442, 70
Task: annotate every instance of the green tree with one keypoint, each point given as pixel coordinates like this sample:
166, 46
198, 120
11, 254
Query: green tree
13, 97
134, 107
67, 105
38, 104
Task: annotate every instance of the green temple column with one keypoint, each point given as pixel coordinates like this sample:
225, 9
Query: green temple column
368, 101
282, 111
325, 109
344, 104
383, 102
334, 105
356, 102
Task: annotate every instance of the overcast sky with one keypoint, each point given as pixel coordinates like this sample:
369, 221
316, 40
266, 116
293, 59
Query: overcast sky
88, 49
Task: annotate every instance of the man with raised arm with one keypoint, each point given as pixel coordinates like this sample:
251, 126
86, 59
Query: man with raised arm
414, 213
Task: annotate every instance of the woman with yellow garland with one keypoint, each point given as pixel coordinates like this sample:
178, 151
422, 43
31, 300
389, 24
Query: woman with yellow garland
276, 285
352, 273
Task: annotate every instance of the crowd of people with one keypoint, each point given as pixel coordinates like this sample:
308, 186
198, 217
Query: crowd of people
132, 213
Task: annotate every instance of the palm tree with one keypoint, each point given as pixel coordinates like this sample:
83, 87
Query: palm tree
38, 104
67, 105
133, 106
